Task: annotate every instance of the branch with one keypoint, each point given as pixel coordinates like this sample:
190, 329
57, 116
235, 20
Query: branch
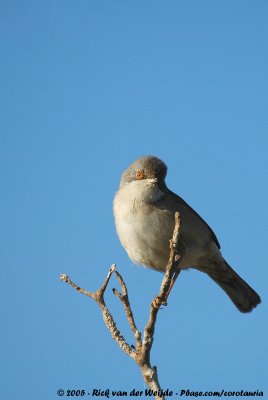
172, 272
129, 314
141, 353
98, 296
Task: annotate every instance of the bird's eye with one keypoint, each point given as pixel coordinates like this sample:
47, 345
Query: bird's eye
140, 174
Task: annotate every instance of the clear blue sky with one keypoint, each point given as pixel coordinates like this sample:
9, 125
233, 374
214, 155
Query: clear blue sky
86, 88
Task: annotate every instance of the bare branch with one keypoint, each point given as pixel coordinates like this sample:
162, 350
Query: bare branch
98, 296
165, 288
175, 255
65, 278
141, 354
129, 314
172, 271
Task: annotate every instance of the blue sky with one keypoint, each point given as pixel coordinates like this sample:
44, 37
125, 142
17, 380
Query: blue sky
86, 88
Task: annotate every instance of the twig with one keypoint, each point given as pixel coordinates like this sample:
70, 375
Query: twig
129, 314
148, 335
98, 296
141, 354
161, 298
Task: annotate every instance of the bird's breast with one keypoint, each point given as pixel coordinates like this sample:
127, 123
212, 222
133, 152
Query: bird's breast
143, 230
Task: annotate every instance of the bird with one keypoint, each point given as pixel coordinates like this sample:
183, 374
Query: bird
144, 210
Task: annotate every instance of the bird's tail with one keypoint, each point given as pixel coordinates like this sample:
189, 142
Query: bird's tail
241, 294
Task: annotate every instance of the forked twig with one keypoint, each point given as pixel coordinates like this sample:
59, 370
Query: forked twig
98, 296
141, 353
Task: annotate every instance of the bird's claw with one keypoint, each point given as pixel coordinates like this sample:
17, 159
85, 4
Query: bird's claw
158, 302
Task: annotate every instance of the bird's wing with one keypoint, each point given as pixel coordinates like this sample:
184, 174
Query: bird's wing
179, 199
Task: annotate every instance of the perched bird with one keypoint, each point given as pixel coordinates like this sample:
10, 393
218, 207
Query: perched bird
144, 210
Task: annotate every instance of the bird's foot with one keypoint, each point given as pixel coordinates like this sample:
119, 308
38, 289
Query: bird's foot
158, 302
